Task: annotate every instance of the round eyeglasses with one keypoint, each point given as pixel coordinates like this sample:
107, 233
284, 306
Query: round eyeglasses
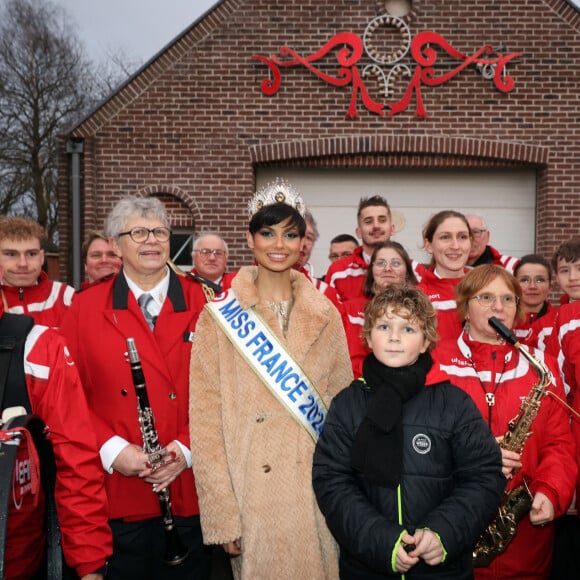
537, 280
384, 264
140, 235
487, 300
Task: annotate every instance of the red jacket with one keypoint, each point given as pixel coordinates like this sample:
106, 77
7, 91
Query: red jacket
56, 395
549, 454
47, 301
353, 319
347, 275
441, 293
100, 320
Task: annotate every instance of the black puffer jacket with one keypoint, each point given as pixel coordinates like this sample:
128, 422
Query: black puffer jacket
451, 482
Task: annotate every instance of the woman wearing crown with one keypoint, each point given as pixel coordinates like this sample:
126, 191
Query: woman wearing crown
268, 357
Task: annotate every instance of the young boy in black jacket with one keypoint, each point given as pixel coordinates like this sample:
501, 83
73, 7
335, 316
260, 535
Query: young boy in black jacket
406, 471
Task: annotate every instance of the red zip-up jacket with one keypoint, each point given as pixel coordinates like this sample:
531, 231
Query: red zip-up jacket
549, 463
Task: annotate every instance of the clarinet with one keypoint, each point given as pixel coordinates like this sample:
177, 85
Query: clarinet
175, 551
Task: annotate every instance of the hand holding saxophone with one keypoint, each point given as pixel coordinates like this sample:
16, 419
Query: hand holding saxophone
511, 461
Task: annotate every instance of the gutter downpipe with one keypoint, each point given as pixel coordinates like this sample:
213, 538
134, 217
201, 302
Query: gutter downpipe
75, 150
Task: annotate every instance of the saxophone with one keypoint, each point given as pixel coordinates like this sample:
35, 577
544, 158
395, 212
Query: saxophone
175, 551
517, 502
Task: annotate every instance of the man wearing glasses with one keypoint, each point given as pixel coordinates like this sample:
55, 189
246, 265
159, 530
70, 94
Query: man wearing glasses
147, 301
481, 252
210, 257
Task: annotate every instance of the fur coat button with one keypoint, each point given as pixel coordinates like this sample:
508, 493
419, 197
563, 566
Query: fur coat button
266, 468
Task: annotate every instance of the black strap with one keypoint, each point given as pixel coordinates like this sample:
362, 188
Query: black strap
14, 329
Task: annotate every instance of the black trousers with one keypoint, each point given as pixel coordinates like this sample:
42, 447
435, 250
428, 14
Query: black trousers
139, 548
566, 559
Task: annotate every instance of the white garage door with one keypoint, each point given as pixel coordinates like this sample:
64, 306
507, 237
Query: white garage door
505, 198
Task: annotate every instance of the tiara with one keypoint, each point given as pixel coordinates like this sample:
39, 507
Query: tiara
278, 191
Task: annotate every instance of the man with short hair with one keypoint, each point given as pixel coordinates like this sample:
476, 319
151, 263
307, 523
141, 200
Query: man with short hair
481, 252
99, 257
25, 288
341, 246
210, 256
375, 225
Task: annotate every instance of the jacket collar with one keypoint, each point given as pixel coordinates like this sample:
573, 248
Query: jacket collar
174, 292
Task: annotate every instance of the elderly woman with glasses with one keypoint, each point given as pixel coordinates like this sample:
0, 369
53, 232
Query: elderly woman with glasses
498, 378
150, 303
390, 264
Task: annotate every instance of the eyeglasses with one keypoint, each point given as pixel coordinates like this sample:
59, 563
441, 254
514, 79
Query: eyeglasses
140, 235
384, 264
488, 300
537, 280
206, 253
477, 233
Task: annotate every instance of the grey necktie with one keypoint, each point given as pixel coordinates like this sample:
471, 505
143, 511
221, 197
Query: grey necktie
143, 301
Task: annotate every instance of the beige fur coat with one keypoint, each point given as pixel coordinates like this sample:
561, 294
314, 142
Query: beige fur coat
252, 461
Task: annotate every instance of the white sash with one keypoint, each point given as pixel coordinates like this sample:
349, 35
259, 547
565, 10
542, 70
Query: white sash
270, 361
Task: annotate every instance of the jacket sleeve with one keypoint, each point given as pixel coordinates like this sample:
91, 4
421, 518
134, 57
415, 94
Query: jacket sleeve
355, 523
478, 480
557, 470
219, 510
57, 396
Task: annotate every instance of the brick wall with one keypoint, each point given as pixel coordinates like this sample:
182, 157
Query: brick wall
193, 126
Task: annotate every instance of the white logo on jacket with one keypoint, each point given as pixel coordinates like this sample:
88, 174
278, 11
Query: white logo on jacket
421, 443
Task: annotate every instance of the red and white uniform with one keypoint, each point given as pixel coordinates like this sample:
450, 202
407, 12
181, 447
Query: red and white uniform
47, 301
441, 293
57, 396
353, 319
549, 455
96, 327
347, 275
492, 256
536, 327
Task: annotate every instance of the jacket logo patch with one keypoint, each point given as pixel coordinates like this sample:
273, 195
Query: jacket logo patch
421, 443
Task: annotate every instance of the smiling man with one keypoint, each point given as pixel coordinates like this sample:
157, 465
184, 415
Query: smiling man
150, 303
210, 258
24, 287
375, 225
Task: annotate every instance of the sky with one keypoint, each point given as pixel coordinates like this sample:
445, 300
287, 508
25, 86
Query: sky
136, 29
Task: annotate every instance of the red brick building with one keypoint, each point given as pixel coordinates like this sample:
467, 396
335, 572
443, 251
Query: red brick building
195, 128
